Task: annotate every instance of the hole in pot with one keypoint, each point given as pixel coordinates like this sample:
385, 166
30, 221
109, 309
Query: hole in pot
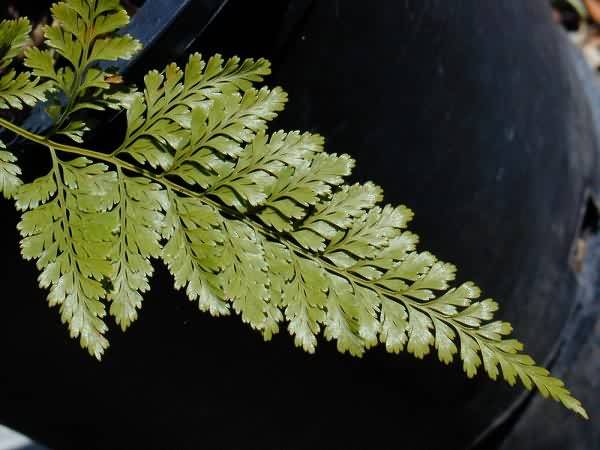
590, 224
566, 14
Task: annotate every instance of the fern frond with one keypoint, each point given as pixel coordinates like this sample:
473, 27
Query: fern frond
9, 173
17, 90
141, 224
304, 298
264, 225
14, 35
342, 264
86, 32
85, 35
244, 272
193, 251
68, 228
159, 121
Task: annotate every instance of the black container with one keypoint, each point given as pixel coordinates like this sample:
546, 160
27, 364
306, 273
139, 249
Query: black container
469, 112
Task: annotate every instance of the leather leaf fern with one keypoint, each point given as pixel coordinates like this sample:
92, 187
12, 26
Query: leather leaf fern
249, 222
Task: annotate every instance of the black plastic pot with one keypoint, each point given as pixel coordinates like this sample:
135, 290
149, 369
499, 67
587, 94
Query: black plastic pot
470, 112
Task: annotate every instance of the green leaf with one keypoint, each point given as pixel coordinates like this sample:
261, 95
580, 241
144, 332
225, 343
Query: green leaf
67, 45
39, 191
394, 325
220, 76
141, 224
84, 35
205, 98
68, 228
304, 299
248, 183
444, 341
75, 130
455, 297
17, 89
243, 185
193, 251
469, 354
41, 62
342, 322
9, 173
82, 25
345, 205
14, 35
419, 329
244, 272
112, 49
368, 235
337, 214
280, 272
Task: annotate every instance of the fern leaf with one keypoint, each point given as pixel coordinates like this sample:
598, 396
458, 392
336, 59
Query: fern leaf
337, 214
175, 98
17, 90
244, 272
367, 238
66, 44
9, 173
194, 231
75, 130
298, 188
112, 49
345, 266
394, 325
141, 224
304, 299
14, 35
342, 319
83, 25
218, 76
41, 62
264, 225
247, 179
355, 275
280, 273
290, 152
84, 36
68, 228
